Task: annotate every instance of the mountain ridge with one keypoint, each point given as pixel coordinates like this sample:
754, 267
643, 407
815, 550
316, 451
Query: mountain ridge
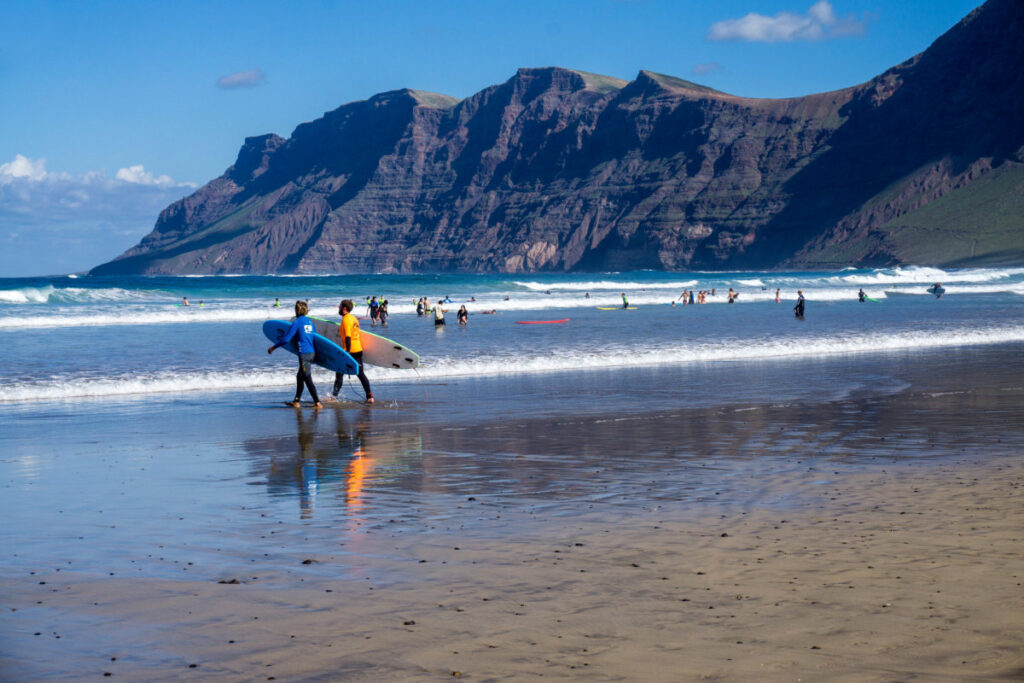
558, 169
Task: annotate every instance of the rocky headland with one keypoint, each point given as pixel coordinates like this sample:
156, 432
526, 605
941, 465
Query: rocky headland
558, 170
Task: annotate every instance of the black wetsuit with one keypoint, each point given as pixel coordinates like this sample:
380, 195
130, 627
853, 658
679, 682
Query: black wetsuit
339, 377
305, 377
799, 308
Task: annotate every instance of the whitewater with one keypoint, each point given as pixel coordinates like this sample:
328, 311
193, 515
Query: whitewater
86, 338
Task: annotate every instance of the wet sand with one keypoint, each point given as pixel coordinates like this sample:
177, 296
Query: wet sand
867, 536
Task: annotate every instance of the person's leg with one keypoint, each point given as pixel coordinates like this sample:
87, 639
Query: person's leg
306, 368
362, 376
312, 387
304, 377
339, 379
299, 376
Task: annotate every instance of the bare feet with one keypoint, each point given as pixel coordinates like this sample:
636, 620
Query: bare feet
296, 404
318, 405
369, 399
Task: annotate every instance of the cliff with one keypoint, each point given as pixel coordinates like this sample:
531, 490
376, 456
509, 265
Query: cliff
563, 170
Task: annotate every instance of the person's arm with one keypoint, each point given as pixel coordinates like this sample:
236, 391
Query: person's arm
292, 331
346, 331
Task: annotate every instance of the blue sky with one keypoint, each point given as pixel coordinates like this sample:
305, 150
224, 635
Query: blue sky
110, 110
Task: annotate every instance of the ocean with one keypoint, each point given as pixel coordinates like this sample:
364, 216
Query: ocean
81, 338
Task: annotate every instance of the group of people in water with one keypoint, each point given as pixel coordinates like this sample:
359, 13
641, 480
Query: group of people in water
689, 297
438, 310
302, 329
377, 311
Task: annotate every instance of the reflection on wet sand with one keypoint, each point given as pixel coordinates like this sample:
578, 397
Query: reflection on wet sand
336, 456
384, 466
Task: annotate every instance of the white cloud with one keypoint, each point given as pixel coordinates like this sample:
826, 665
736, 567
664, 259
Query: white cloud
22, 167
242, 79
58, 222
140, 176
819, 23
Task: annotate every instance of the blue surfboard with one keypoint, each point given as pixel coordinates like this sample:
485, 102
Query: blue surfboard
328, 354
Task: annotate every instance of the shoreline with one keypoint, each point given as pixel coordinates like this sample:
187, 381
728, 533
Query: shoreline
863, 530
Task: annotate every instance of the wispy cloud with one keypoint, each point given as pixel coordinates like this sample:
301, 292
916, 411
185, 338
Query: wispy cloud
53, 222
242, 79
820, 23
707, 68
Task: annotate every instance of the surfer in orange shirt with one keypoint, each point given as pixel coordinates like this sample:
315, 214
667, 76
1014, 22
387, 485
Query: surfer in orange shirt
354, 346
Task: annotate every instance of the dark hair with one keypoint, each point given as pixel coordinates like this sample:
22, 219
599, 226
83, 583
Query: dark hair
347, 304
301, 308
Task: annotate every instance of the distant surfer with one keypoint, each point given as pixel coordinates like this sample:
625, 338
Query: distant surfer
937, 290
302, 327
778, 299
463, 315
732, 295
587, 295
373, 308
420, 307
349, 333
861, 296
625, 301
439, 315
184, 301
382, 313
798, 310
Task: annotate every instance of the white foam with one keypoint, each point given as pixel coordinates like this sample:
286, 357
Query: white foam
597, 285
920, 275
76, 295
26, 295
508, 363
181, 314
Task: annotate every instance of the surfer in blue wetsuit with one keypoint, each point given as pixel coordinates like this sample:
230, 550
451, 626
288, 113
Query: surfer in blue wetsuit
302, 329
798, 310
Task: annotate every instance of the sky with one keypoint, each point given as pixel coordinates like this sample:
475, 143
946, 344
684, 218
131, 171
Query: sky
109, 111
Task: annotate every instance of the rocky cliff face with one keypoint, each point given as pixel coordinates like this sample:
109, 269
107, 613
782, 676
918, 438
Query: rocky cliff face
562, 170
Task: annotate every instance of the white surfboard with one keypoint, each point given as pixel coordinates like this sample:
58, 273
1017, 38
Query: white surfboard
377, 350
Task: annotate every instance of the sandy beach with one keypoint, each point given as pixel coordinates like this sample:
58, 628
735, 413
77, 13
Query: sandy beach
865, 537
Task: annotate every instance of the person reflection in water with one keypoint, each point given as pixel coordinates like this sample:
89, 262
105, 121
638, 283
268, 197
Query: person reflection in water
308, 480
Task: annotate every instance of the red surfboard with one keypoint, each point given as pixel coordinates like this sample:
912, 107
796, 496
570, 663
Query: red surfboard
541, 322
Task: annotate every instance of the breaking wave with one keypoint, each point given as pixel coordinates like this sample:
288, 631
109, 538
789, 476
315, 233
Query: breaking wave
511, 362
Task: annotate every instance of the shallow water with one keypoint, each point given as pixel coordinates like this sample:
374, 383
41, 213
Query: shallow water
148, 487
80, 338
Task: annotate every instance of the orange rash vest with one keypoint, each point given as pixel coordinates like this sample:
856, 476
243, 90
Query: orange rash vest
350, 328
